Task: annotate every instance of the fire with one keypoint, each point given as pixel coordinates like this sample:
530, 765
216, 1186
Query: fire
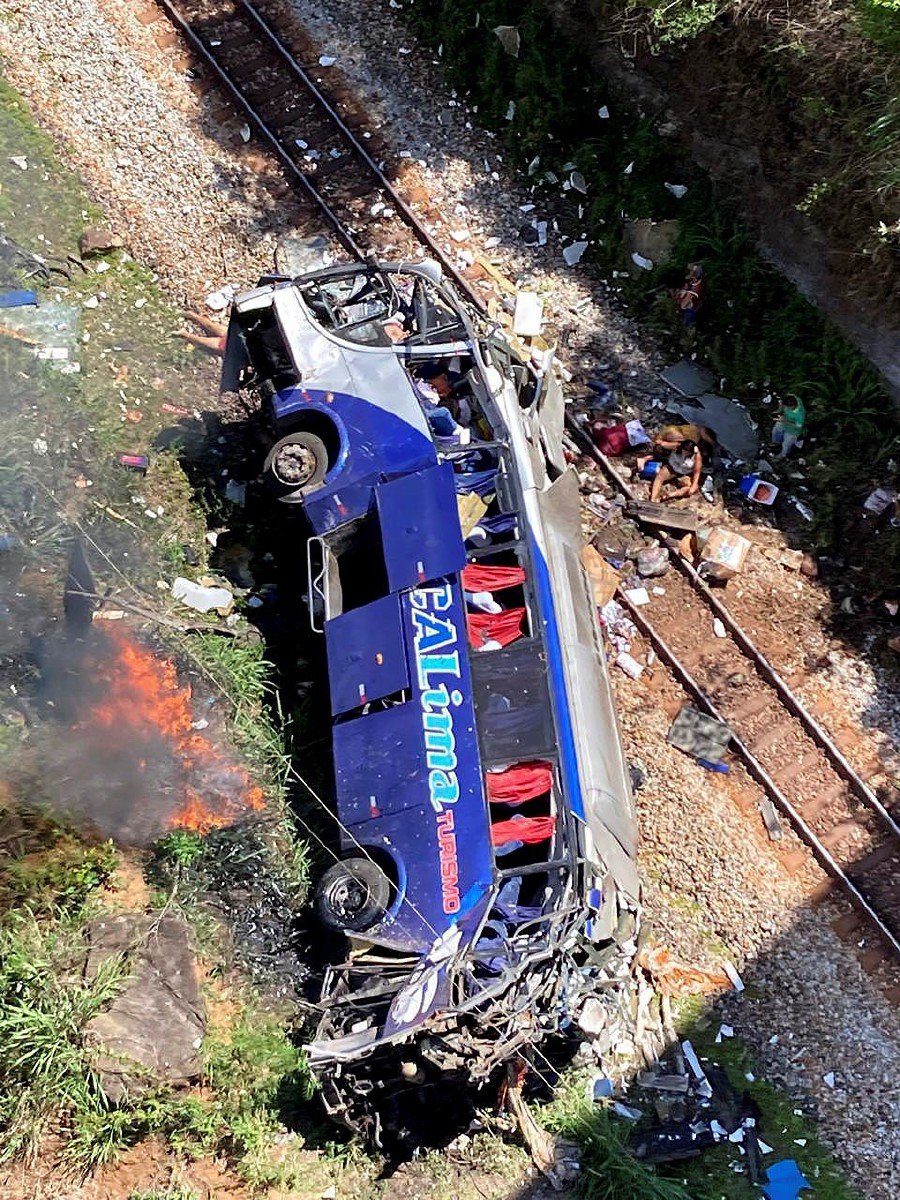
144, 707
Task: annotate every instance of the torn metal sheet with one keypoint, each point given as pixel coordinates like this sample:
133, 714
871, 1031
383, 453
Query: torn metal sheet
688, 378
730, 421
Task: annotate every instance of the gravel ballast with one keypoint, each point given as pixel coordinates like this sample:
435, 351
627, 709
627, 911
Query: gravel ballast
187, 198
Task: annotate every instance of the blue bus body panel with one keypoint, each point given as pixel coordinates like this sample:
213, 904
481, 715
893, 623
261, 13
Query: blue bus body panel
420, 527
409, 779
364, 429
366, 654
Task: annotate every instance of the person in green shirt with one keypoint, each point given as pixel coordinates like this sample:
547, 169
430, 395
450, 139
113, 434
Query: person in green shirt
787, 431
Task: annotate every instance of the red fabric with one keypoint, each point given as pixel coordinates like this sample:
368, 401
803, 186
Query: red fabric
503, 627
517, 784
523, 829
477, 578
611, 440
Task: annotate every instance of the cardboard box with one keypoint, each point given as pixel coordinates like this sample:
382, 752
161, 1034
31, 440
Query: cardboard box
604, 578
723, 554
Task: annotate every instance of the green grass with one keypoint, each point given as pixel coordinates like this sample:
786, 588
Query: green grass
58, 872
45, 1004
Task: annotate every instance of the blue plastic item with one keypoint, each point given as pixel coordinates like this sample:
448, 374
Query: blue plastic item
721, 768
763, 491
785, 1181
649, 469
17, 299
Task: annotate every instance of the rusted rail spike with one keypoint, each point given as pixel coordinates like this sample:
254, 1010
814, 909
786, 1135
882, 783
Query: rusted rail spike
820, 852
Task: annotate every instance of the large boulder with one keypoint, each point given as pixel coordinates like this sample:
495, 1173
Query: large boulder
151, 1033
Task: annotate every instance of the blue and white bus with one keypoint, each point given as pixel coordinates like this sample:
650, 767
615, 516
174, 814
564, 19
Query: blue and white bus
484, 817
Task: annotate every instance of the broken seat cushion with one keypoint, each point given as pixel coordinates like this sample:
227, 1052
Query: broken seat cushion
151, 1032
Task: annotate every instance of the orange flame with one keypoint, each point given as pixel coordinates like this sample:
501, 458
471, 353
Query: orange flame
143, 703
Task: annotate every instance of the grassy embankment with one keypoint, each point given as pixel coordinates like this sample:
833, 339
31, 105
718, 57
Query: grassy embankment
57, 479
758, 332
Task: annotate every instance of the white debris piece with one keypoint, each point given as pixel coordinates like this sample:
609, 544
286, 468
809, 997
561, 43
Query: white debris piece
577, 181
603, 113
629, 665
19, 160
541, 227
245, 133
725, 1031
638, 596
731, 971
573, 252
92, 302
327, 60
529, 314
828, 1079
646, 264
40, 445
719, 628
764, 1147
629, 168
219, 301
491, 243
510, 110
677, 189
202, 599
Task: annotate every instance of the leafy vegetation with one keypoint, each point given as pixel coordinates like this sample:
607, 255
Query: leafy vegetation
758, 332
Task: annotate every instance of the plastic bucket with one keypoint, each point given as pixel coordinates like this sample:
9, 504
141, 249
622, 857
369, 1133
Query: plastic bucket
760, 490
648, 470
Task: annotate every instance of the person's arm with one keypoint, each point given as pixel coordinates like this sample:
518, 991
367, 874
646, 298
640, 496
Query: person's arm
695, 478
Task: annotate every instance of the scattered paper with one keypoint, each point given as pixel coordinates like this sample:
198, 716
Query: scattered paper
719, 628
529, 314
245, 133
677, 189
327, 60
628, 169
828, 1079
731, 971
573, 252
646, 264
603, 113
577, 181
508, 36
510, 110
638, 596
19, 161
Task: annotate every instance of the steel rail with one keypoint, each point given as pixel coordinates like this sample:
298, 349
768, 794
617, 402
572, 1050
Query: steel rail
758, 772
767, 672
284, 157
300, 74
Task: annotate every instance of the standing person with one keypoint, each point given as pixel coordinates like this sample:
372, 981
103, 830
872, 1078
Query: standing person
689, 297
684, 466
787, 432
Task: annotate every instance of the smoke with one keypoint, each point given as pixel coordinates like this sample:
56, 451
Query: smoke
119, 750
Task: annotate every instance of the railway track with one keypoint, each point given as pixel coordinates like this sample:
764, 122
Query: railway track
831, 807
280, 97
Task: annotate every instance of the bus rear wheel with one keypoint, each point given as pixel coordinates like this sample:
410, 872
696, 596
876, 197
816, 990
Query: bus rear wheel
298, 461
352, 895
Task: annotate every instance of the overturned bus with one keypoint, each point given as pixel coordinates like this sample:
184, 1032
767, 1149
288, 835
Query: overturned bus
485, 880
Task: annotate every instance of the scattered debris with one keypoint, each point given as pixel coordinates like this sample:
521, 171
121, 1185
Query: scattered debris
639, 260
573, 253
771, 819
785, 1181
327, 60
528, 315
722, 553
762, 491
202, 598
677, 189
699, 735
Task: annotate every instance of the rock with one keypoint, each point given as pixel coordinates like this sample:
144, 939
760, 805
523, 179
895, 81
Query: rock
653, 240
98, 241
151, 1032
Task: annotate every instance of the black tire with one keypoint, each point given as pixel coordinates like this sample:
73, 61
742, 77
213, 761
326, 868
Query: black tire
296, 464
352, 895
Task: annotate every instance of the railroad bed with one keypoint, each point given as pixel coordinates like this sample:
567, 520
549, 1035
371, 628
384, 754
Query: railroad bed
325, 152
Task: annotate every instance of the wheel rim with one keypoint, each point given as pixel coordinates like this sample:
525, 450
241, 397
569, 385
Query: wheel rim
294, 464
347, 897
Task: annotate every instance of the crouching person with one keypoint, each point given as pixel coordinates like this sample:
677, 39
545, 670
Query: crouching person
683, 466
